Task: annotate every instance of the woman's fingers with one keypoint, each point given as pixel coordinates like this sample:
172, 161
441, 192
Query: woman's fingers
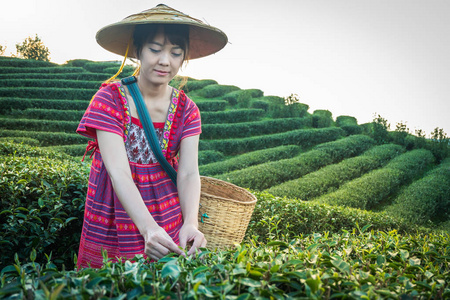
158, 244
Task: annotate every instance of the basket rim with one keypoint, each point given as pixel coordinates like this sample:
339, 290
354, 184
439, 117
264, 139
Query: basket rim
254, 199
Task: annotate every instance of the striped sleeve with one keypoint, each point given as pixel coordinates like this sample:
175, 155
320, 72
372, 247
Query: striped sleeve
192, 121
105, 112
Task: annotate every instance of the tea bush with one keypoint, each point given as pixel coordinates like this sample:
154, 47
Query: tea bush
45, 70
367, 191
42, 204
50, 93
8, 62
7, 105
249, 159
216, 90
83, 76
232, 116
20, 140
426, 199
40, 125
322, 118
269, 174
72, 150
59, 83
346, 121
49, 114
209, 156
46, 138
302, 137
212, 105
332, 176
247, 129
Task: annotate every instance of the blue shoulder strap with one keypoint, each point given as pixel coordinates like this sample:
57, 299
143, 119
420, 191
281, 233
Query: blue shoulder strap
149, 129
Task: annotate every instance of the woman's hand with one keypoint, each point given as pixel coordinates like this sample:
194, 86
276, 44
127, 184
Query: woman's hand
190, 234
158, 244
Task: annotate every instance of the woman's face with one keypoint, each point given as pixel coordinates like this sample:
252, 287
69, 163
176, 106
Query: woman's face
160, 60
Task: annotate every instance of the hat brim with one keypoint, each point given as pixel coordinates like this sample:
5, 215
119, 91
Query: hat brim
204, 39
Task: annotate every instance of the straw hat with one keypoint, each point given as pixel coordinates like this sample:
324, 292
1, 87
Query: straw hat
203, 39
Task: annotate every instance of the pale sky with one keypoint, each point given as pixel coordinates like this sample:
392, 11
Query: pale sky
352, 57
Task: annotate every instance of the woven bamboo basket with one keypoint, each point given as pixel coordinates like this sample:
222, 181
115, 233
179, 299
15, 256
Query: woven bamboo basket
225, 211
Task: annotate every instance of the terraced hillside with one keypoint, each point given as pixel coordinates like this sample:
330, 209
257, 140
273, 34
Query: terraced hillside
251, 139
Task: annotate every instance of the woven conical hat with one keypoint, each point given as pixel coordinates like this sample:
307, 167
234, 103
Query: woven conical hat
203, 39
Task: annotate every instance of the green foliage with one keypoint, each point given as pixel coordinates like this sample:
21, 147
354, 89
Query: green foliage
242, 97
19, 63
378, 130
369, 190
212, 105
269, 174
48, 114
346, 121
20, 140
41, 206
426, 199
216, 90
7, 105
50, 93
278, 108
333, 176
49, 70
249, 159
247, 129
46, 138
14, 83
33, 48
209, 156
232, 116
440, 144
302, 137
322, 118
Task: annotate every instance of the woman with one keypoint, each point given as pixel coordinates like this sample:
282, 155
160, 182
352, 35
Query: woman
132, 206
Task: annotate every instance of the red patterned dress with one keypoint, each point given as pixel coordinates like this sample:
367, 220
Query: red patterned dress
106, 224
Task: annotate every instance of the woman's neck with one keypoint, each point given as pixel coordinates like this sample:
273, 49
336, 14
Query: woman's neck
152, 92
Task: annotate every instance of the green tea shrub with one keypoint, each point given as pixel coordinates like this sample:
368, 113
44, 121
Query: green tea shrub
41, 207
99, 67
269, 174
216, 90
209, 156
99, 77
249, 159
77, 63
48, 93
212, 105
13, 62
352, 129
72, 150
20, 140
46, 138
367, 191
346, 121
426, 199
54, 83
322, 118
11, 148
232, 116
303, 137
39, 125
194, 85
260, 104
7, 105
279, 109
247, 129
49, 114
332, 176
127, 71
13, 70
242, 97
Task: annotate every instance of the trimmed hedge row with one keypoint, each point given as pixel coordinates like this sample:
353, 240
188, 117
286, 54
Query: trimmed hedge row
346, 121
427, 199
54, 76
209, 156
322, 118
232, 116
15, 62
216, 90
46, 138
249, 159
212, 105
9, 104
242, 130
302, 137
10, 148
194, 84
72, 150
266, 175
50, 83
48, 93
332, 176
242, 97
12, 70
20, 140
48, 114
368, 191
39, 125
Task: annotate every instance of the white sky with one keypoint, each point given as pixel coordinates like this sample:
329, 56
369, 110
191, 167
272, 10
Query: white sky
352, 57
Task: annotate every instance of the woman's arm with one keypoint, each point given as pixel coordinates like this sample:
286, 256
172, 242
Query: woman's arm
188, 182
157, 242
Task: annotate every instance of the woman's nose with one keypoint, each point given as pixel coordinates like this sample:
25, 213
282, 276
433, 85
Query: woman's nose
164, 58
